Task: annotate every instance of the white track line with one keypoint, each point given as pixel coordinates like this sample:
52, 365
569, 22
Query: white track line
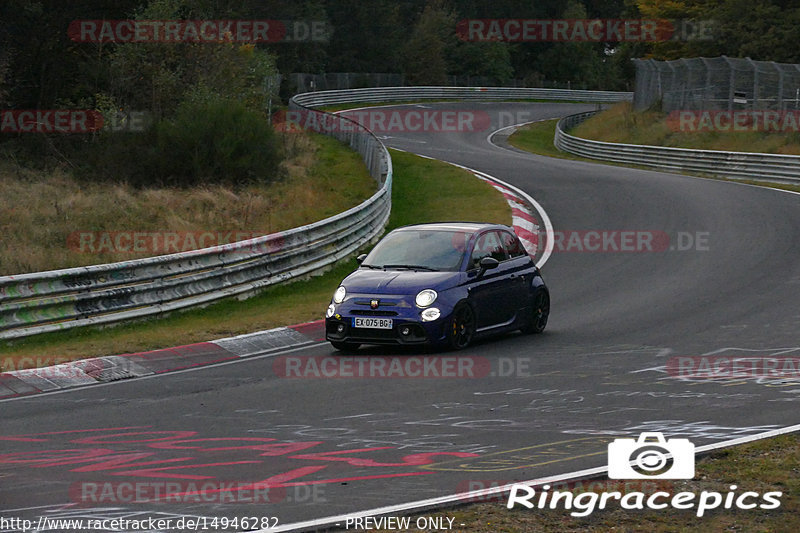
495, 132
548, 226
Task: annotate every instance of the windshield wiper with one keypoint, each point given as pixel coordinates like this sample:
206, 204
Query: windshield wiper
412, 267
373, 267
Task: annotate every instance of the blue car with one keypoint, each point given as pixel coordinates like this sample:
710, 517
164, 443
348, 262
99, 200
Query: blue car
441, 284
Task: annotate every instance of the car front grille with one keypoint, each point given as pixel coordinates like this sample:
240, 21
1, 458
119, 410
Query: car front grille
365, 312
372, 334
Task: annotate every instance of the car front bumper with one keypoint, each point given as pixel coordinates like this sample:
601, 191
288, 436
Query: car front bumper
407, 326
403, 332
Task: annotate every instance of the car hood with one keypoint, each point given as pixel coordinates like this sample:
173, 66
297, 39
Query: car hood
398, 281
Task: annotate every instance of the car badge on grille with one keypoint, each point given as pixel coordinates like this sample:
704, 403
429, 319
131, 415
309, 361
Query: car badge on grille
374, 303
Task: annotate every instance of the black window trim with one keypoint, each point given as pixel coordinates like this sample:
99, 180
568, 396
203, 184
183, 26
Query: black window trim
516, 239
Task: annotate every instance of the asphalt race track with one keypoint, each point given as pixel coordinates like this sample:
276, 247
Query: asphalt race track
726, 282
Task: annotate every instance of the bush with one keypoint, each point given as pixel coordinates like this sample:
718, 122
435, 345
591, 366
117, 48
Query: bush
215, 141
212, 141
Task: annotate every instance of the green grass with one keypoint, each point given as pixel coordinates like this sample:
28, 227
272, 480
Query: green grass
428, 191
537, 138
424, 190
620, 124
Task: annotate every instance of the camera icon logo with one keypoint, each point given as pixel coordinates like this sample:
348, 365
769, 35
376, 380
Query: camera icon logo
651, 457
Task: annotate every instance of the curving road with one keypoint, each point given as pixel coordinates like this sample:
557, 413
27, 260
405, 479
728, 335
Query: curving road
724, 280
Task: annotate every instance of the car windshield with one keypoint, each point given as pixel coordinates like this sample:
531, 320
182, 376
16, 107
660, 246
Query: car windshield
419, 249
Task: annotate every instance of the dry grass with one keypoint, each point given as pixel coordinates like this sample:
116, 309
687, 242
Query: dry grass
39, 212
538, 139
424, 190
622, 125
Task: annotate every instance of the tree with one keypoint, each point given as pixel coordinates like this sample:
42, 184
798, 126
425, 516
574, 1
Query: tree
423, 56
435, 50
581, 63
760, 29
158, 76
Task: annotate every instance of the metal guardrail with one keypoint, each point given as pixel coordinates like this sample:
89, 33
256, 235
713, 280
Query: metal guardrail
389, 94
102, 294
738, 165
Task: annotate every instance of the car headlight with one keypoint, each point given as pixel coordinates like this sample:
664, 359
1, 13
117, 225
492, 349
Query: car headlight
425, 297
338, 296
430, 314
331, 310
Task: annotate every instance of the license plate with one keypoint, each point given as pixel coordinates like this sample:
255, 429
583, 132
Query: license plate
372, 323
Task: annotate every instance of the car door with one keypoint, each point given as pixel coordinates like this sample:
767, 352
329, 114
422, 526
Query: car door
491, 290
517, 269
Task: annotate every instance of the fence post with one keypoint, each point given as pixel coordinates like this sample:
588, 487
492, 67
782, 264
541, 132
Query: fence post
755, 84
731, 84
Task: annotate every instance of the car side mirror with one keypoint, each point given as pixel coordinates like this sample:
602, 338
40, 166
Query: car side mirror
360, 258
488, 263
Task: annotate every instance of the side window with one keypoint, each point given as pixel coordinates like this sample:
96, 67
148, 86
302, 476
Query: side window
488, 245
512, 244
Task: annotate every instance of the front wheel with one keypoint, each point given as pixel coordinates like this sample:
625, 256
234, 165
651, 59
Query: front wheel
462, 327
539, 313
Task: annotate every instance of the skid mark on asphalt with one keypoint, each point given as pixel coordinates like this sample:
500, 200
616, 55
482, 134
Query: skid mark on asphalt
145, 465
773, 367
682, 428
528, 457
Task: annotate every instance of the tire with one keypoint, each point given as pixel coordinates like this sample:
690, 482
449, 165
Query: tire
345, 346
539, 313
462, 327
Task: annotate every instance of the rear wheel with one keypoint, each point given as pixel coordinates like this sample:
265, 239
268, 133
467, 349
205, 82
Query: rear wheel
462, 327
345, 346
539, 313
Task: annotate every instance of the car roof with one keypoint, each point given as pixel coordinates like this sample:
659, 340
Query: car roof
467, 227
